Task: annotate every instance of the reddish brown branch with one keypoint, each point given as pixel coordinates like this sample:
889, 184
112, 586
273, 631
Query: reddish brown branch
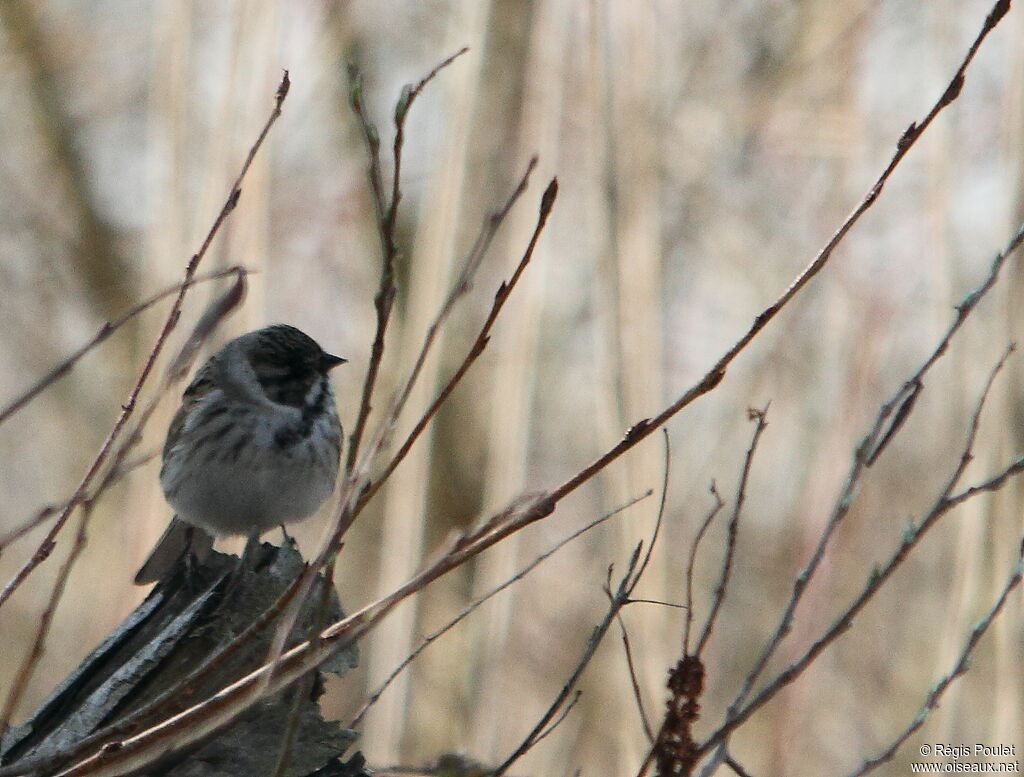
46, 546
479, 344
104, 332
387, 214
475, 604
640, 430
462, 284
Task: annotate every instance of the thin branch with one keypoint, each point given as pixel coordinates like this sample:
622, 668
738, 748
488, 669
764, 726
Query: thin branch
475, 604
461, 286
215, 313
733, 764
658, 602
35, 652
643, 567
384, 300
665, 472
716, 508
46, 546
617, 600
961, 665
302, 688
104, 332
994, 483
868, 451
479, 344
912, 535
28, 525
972, 430
357, 486
760, 417
118, 470
637, 696
387, 214
643, 428
558, 721
409, 94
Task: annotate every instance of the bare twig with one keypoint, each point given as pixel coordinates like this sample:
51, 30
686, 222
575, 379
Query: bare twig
357, 485
961, 665
35, 652
665, 472
640, 430
409, 95
673, 748
479, 344
733, 764
738, 711
104, 332
461, 286
617, 600
301, 689
972, 430
46, 546
215, 313
868, 450
387, 213
28, 525
118, 470
558, 721
760, 417
475, 604
637, 696
716, 508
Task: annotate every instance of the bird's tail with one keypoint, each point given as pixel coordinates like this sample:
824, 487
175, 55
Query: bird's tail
178, 539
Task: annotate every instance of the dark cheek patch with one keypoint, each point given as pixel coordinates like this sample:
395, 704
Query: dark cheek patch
288, 387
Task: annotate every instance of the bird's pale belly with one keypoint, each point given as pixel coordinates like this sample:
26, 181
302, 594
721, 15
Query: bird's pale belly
235, 498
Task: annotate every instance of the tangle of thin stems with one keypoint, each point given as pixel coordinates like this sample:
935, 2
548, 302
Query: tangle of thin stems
48, 543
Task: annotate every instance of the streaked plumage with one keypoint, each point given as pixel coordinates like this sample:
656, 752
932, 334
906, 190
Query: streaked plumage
256, 442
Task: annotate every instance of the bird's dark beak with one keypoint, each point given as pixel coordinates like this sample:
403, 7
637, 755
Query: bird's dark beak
328, 362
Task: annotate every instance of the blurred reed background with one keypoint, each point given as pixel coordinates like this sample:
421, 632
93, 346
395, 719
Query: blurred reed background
705, 152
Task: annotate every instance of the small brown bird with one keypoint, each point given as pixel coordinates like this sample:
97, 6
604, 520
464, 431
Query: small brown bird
255, 444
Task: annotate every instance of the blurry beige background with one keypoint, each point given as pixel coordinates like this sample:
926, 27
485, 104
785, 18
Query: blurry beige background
705, 152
